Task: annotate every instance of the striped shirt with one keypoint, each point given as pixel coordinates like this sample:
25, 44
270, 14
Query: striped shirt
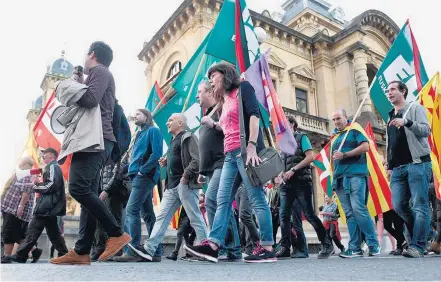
353, 166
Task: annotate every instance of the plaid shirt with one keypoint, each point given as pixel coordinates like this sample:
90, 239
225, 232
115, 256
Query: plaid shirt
13, 196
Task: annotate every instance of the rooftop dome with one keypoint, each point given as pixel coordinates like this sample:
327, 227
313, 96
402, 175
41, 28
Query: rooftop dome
38, 103
61, 67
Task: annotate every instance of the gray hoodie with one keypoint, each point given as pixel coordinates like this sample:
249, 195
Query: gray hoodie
417, 134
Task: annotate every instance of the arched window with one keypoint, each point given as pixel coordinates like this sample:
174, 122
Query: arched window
174, 69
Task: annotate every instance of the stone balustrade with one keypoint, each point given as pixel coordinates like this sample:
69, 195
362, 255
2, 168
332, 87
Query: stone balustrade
309, 122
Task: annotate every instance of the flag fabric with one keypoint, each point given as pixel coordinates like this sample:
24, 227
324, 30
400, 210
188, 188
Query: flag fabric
223, 45
154, 98
32, 150
182, 86
430, 98
403, 62
323, 166
380, 197
44, 134
259, 77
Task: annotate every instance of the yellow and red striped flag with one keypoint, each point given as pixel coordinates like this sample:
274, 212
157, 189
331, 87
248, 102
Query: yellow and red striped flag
430, 98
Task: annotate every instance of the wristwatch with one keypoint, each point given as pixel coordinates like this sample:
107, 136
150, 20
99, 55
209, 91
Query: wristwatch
215, 124
293, 169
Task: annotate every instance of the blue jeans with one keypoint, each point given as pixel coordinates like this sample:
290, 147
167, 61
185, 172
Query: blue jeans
140, 204
171, 201
227, 191
410, 187
232, 247
358, 219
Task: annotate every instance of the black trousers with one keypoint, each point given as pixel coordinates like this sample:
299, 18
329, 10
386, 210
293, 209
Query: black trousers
84, 178
394, 224
302, 192
332, 232
115, 204
185, 232
35, 229
298, 240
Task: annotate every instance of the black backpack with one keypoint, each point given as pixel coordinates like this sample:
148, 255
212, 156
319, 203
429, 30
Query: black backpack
121, 130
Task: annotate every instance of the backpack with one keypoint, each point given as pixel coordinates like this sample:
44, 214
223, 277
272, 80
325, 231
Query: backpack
121, 130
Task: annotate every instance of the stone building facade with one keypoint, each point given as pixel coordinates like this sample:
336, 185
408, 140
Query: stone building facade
319, 62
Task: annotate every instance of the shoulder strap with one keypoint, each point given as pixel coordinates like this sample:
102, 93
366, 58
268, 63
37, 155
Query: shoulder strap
243, 146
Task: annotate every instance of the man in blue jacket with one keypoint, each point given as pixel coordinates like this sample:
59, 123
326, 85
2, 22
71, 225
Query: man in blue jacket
144, 171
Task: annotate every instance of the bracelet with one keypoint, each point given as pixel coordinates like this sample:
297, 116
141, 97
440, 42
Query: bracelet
214, 124
252, 142
345, 155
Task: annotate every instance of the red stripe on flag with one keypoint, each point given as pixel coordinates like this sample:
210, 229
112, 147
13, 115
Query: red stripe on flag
374, 196
416, 59
159, 91
239, 52
381, 180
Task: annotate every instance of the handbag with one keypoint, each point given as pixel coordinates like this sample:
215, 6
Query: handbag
271, 165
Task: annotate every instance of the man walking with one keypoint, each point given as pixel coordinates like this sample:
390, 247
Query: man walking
409, 166
17, 204
144, 171
350, 183
211, 153
86, 166
298, 179
182, 187
50, 204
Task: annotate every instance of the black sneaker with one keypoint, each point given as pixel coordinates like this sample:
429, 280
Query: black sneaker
412, 253
36, 254
96, 255
15, 258
139, 251
283, 252
6, 259
173, 256
397, 252
156, 259
204, 251
326, 251
261, 255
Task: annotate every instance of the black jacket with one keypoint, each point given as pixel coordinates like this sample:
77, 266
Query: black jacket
211, 147
52, 199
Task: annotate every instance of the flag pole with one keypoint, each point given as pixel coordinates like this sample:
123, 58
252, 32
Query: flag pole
357, 113
194, 82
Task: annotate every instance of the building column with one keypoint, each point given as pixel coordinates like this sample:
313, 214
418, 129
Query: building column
361, 80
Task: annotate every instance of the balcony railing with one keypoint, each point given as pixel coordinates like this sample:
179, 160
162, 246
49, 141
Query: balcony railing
309, 122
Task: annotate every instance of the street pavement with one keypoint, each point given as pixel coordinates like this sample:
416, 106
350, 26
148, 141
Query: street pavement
367, 268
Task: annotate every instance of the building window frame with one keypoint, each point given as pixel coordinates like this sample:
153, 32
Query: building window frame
304, 99
175, 68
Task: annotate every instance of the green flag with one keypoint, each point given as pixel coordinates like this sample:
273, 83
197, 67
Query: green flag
403, 62
224, 34
182, 85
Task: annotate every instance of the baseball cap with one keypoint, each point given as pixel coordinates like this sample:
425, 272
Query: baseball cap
50, 150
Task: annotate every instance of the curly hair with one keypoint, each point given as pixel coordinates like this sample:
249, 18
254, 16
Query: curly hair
231, 78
